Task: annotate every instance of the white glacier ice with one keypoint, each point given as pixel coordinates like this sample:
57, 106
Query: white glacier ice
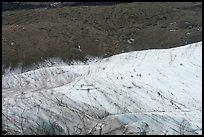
155, 91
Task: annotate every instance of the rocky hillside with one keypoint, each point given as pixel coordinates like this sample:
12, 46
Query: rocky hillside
8, 6
76, 33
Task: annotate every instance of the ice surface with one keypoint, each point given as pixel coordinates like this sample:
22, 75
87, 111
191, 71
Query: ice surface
140, 92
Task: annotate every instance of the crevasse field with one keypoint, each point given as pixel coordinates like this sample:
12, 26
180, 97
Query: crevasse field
141, 92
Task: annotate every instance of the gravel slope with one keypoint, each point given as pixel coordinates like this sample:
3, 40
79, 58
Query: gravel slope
30, 36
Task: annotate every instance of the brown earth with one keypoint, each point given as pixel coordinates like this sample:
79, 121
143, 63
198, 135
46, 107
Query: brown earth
33, 35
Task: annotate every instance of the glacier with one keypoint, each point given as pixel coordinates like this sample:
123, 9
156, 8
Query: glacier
156, 92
